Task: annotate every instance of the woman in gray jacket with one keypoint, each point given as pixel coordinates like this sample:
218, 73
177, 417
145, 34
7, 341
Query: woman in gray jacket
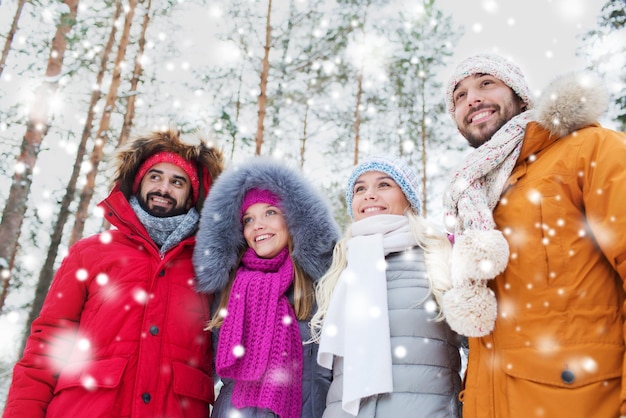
379, 323
265, 236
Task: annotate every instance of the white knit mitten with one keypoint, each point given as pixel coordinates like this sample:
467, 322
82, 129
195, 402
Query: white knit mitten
470, 307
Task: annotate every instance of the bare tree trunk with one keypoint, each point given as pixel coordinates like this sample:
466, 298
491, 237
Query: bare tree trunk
102, 135
47, 271
400, 138
424, 154
357, 117
304, 134
265, 68
237, 114
36, 129
359, 93
129, 116
11, 35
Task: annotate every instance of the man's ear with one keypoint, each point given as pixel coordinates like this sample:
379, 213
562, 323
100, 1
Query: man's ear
189, 203
523, 105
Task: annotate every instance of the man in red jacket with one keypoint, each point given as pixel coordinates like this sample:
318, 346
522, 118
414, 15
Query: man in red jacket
121, 332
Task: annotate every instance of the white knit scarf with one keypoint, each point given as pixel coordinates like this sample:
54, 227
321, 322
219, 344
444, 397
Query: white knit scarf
480, 252
356, 326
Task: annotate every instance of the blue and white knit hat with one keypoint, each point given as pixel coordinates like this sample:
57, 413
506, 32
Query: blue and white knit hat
495, 65
397, 169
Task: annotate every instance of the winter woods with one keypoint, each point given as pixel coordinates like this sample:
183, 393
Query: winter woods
320, 83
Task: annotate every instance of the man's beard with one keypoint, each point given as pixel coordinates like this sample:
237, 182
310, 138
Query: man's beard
478, 138
160, 211
505, 112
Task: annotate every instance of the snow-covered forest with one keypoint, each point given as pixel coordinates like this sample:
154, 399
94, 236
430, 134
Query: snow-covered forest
317, 83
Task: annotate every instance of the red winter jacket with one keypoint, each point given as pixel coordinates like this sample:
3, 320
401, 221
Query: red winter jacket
120, 333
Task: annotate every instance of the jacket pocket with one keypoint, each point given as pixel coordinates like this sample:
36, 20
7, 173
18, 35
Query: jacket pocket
89, 389
92, 375
192, 383
571, 377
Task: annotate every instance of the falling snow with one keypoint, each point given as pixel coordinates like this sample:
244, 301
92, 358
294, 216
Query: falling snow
546, 49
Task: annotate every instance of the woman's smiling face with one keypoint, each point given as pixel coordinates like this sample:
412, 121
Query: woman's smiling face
264, 229
376, 193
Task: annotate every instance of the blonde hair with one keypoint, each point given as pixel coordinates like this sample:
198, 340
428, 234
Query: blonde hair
303, 294
431, 239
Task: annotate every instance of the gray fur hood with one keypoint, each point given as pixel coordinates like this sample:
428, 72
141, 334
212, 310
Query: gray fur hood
308, 215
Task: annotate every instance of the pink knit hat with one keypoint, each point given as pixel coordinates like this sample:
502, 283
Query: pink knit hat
495, 65
170, 157
258, 196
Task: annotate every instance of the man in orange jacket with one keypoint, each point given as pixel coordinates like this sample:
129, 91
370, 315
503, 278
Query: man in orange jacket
539, 259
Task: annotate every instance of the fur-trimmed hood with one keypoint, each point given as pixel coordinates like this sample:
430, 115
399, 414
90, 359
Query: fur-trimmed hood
571, 102
220, 240
133, 153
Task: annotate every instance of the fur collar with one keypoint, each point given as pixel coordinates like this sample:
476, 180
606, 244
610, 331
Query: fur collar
220, 237
571, 102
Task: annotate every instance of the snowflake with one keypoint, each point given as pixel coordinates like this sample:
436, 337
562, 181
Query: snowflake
239, 351
81, 275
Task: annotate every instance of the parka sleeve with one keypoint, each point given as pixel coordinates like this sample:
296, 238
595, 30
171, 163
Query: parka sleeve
604, 188
603, 192
604, 174
50, 343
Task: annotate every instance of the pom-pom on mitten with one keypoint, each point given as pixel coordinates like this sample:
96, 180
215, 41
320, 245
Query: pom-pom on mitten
470, 307
478, 255
470, 310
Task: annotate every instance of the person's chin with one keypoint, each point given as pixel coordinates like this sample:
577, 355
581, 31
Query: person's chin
363, 215
478, 136
160, 212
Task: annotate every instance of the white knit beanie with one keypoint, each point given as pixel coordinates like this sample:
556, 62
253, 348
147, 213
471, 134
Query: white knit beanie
495, 65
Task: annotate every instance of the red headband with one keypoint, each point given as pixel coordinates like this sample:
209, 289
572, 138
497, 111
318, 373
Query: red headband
170, 157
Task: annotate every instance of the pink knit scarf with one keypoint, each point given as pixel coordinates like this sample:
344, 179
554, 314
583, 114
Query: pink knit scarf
259, 344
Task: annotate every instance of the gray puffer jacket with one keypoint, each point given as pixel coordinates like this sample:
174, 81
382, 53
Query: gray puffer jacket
426, 381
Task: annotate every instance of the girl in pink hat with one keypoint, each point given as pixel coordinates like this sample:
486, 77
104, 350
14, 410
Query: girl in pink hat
265, 236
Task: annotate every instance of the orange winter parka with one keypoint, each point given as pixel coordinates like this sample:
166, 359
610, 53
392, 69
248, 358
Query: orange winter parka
120, 333
557, 349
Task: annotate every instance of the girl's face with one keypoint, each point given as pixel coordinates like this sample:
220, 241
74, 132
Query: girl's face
376, 193
265, 230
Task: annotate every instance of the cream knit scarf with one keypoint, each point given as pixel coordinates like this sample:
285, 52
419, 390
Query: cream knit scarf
356, 326
480, 252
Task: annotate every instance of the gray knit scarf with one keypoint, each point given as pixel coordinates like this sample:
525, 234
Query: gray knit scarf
166, 232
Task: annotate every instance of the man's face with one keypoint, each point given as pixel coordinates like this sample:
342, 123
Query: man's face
483, 104
165, 191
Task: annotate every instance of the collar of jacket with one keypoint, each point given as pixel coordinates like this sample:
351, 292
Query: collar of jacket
119, 213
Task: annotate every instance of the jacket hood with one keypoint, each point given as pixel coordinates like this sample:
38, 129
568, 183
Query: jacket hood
571, 102
220, 240
133, 153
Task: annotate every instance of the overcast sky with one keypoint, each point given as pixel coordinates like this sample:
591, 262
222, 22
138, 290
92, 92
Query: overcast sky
541, 36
